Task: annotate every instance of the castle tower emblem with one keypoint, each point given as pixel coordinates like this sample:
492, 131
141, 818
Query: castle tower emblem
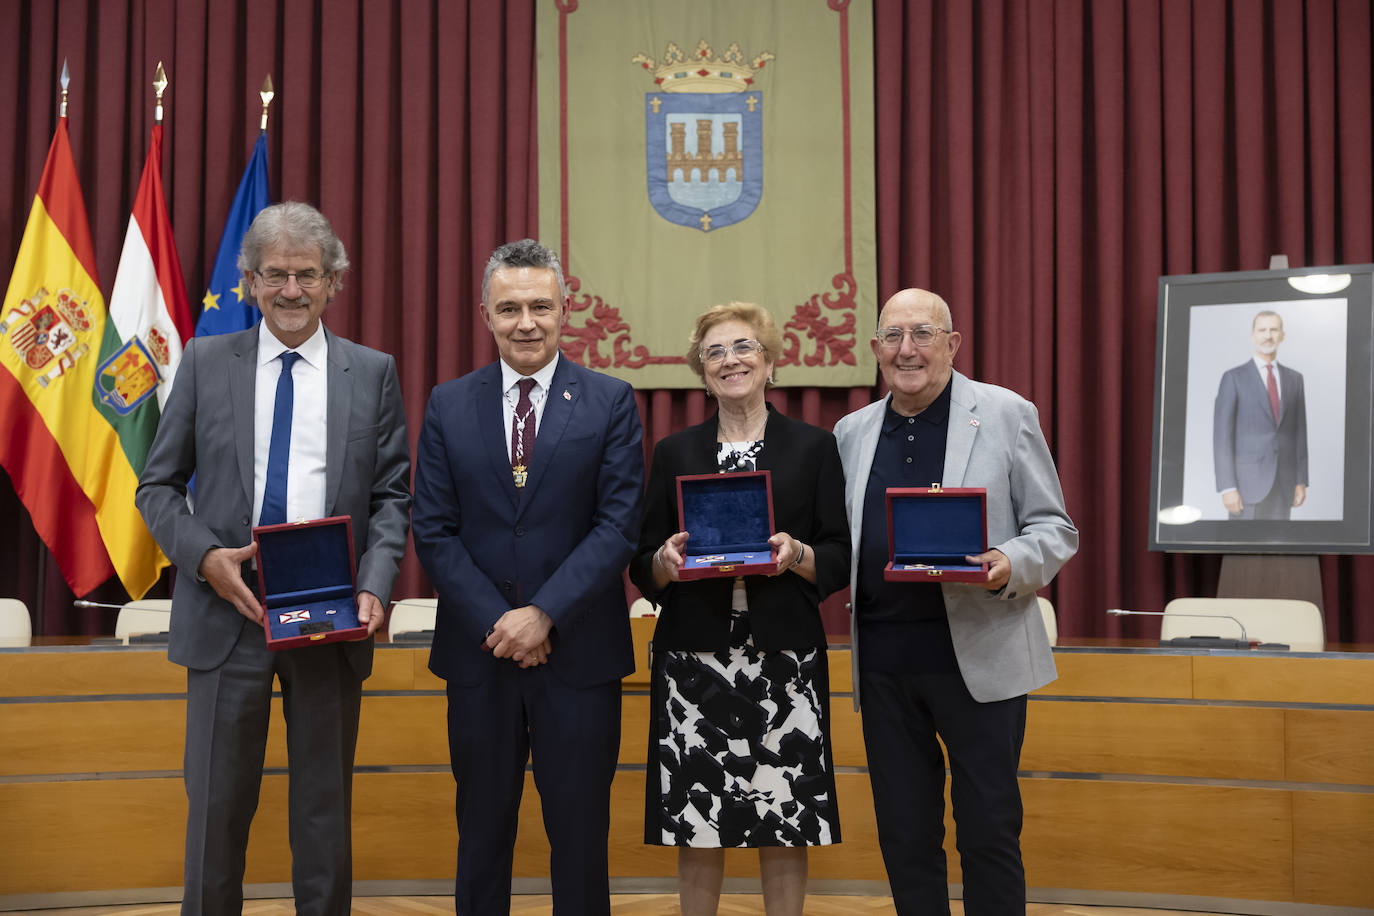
703, 132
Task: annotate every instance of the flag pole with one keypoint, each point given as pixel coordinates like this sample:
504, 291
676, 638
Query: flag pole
267, 94
41, 599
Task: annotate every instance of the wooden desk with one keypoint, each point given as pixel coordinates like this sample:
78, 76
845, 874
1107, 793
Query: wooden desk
1173, 778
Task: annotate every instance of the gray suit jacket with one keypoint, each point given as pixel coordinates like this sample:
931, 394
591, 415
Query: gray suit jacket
994, 441
207, 430
1252, 452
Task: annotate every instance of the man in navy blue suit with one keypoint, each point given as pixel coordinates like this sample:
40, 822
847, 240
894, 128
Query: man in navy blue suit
527, 507
1259, 430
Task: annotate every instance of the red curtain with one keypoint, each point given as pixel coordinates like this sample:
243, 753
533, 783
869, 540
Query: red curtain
1040, 164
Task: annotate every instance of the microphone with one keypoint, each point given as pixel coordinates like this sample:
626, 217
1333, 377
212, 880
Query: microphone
82, 602
1195, 642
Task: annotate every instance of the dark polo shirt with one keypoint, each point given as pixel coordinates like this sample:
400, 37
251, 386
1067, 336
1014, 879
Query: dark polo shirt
903, 627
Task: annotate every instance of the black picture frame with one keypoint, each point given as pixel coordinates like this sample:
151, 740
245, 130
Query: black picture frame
1204, 329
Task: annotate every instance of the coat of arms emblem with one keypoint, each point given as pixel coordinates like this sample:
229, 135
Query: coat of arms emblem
47, 332
127, 378
703, 136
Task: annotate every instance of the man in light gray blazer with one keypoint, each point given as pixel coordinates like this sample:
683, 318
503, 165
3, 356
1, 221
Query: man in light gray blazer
953, 660
338, 448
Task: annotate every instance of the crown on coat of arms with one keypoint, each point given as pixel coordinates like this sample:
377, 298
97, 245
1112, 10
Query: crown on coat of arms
702, 72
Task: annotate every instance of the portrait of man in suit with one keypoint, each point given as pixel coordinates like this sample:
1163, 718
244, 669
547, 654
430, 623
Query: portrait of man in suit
284, 421
528, 481
1259, 430
949, 662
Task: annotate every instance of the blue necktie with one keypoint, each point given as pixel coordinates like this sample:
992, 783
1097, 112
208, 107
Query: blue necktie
279, 451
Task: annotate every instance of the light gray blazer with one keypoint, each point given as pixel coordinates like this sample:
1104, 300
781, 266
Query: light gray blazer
994, 441
207, 429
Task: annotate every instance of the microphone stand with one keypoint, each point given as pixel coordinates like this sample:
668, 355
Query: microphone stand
1202, 642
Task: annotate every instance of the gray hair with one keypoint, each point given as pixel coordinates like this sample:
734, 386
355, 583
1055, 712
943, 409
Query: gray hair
293, 225
524, 253
1267, 313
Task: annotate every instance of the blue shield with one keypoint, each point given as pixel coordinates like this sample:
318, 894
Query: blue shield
704, 156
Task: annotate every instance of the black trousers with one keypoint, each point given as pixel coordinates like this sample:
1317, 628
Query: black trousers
902, 715
572, 735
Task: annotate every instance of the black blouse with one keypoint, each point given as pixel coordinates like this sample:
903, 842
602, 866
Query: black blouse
808, 504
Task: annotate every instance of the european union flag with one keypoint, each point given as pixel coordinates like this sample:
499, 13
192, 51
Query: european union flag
226, 307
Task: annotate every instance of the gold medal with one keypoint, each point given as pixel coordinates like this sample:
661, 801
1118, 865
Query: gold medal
520, 473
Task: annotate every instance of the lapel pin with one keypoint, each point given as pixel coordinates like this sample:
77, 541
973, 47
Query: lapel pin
566, 396
973, 423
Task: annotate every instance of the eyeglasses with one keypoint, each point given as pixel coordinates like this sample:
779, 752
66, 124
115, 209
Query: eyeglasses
305, 279
922, 335
741, 348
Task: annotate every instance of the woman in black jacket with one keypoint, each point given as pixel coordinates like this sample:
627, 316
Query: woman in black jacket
739, 749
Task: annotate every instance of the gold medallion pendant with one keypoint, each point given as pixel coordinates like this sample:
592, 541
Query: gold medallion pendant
520, 473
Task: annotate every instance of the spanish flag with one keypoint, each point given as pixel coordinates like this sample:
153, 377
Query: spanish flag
63, 455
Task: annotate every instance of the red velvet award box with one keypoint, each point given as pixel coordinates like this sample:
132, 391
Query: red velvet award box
306, 578
931, 529
729, 518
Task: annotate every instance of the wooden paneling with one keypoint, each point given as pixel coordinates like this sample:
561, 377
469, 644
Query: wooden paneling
1330, 745
1333, 848
1120, 675
1283, 680
89, 673
392, 669
1269, 841
1158, 838
1217, 742
54, 738
78, 836
403, 731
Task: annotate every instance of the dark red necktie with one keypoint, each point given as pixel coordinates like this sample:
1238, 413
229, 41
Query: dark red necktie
1273, 385
522, 432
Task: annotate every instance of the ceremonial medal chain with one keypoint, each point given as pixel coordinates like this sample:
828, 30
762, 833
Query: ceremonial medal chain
518, 470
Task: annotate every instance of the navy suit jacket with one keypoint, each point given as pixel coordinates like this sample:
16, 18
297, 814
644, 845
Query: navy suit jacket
561, 542
1252, 452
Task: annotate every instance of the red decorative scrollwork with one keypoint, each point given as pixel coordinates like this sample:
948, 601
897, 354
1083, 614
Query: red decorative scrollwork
834, 343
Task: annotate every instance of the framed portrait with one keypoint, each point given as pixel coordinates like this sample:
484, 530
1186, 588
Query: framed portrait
1263, 399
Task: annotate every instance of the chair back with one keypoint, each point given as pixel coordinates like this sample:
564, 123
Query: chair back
16, 627
1286, 620
411, 615
643, 607
1051, 620
146, 615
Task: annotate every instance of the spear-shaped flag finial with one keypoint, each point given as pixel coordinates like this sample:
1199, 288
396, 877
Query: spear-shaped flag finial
159, 86
267, 94
64, 80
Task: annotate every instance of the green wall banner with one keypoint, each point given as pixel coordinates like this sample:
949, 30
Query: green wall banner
698, 153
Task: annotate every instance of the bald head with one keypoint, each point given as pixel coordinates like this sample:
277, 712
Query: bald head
917, 362
921, 299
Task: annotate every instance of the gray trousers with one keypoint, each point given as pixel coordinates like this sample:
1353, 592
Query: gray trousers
227, 713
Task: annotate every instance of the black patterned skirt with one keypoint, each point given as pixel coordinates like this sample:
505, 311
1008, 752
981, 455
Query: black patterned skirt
739, 748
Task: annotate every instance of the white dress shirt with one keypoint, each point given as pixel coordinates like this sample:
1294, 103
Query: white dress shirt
309, 423
539, 394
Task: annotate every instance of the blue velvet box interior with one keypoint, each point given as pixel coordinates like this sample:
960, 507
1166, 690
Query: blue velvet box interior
307, 580
936, 529
729, 518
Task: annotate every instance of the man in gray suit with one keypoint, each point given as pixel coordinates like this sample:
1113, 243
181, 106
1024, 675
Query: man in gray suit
954, 660
335, 444
1259, 430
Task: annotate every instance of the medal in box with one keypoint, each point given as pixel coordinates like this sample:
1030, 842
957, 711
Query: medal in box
306, 579
931, 529
729, 518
